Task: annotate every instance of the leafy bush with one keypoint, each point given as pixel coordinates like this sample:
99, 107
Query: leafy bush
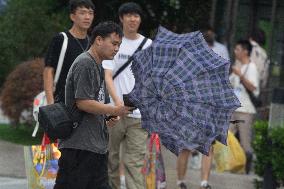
277, 155
261, 146
20, 88
268, 146
26, 29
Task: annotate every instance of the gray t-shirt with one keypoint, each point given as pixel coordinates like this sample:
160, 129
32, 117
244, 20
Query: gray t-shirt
85, 81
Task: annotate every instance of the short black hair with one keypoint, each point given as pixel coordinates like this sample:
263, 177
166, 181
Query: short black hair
207, 28
105, 29
245, 44
130, 7
258, 35
74, 4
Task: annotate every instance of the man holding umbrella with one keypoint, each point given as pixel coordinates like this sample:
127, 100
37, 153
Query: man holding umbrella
129, 128
206, 162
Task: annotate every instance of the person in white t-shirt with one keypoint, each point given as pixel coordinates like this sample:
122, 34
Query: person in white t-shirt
244, 78
218, 48
128, 130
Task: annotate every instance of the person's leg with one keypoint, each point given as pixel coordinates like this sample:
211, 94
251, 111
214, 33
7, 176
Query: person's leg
135, 150
206, 168
245, 132
121, 166
182, 161
77, 169
116, 136
65, 163
99, 179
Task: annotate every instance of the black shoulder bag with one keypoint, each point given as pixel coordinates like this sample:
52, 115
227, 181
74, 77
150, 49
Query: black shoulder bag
58, 120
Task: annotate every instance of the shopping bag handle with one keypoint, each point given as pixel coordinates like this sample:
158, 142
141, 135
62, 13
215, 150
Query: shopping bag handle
155, 139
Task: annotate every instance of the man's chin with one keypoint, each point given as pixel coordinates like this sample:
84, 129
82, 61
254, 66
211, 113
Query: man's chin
109, 58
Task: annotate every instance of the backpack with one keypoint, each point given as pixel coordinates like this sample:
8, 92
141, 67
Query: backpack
40, 99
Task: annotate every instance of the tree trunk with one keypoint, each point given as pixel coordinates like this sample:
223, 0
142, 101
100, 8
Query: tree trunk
213, 12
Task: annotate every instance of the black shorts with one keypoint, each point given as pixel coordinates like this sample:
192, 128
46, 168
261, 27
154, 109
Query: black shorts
80, 169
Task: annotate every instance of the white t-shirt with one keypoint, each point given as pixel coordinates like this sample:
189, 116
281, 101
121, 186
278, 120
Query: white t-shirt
221, 50
250, 73
124, 82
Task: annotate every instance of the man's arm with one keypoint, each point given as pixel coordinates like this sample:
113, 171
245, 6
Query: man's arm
247, 84
95, 107
111, 87
48, 75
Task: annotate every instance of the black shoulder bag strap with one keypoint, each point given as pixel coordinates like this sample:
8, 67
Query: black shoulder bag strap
130, 59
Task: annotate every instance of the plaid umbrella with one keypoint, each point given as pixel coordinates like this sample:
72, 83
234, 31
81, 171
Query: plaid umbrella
183, 91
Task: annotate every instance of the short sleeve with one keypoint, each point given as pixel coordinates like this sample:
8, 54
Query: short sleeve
108, 64
52, 56
85, 82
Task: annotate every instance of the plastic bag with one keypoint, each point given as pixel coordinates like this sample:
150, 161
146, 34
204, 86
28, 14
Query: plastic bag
41, 162
154, 169
231, 157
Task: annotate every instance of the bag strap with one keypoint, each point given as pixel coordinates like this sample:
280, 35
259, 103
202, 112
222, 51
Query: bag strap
248, 91
57, 72
154, 140
130, 58
61, 58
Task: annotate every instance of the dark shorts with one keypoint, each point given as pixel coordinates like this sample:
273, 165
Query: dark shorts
80, 169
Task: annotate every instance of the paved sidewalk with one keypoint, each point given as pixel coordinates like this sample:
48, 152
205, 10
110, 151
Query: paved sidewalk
13, 183
13, 176
11, 160
217, 180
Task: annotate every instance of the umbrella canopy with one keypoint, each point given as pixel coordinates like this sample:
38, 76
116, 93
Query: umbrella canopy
183, 91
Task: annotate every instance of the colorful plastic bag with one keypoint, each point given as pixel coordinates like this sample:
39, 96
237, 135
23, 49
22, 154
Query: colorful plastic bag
231, 157
41, 162
154, 169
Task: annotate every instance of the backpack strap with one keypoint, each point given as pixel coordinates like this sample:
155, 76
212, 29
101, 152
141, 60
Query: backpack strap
130, 59
61, 58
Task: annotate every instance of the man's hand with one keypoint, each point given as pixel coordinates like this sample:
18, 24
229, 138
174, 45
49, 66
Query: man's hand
112, 121
121, 110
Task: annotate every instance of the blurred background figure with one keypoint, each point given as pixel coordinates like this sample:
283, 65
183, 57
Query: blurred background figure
259, 56
220, 49
245, 80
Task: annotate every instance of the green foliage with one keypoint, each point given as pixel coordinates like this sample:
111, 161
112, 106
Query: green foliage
26, 27
176, 15
277, 155
268, 146
261, 146
19, 135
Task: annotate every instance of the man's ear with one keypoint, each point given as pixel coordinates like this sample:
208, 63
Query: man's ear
121, 18
71, 16
99, 40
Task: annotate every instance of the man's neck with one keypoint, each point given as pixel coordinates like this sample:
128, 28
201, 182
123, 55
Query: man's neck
78, 32
131, 35
245, 60
95, 55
